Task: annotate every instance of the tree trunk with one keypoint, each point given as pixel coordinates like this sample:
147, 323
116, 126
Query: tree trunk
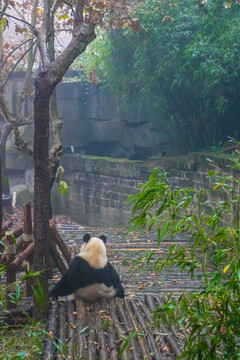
0, 205
41, 189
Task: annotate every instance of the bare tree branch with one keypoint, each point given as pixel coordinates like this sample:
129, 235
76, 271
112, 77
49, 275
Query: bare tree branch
5, 6
21, 144
16, 64
28, 77
33, 29
53, 7
16, 48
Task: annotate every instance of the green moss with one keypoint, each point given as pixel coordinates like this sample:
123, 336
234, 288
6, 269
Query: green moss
26, 340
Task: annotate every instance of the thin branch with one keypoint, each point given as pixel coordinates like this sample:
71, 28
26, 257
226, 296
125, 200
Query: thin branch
24, 21
16, 48
5, 6
71, 7
53, 7
28, 76
21, 144
20, 14
19, 60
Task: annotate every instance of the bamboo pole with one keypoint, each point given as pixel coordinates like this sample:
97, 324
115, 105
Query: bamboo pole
91, 339
169, 339
177, 333
121, 334
148, 332
112, 345
50, 349
81, 318
62, 330
71, 329
125, 321
102, 348
162, 343
143, 346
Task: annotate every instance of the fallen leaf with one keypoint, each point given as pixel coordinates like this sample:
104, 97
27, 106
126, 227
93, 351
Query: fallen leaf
166, 348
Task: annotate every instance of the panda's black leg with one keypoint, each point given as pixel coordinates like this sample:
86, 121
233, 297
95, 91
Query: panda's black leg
62, 288
120, 292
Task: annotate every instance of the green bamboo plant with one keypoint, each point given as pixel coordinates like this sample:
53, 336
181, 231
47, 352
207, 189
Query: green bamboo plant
210, 219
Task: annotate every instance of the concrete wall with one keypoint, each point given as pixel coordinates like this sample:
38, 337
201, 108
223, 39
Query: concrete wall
99, 186
93, 124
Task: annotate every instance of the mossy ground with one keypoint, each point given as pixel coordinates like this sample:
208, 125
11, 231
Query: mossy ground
21, 342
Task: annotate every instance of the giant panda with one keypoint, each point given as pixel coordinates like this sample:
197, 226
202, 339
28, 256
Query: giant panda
90, 275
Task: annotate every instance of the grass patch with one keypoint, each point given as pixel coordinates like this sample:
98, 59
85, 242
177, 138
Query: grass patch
21, 342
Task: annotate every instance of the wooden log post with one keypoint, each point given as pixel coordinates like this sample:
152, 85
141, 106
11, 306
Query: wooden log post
10, 252
59, 241
19, 243
56, 257
6, 226
23, 256
28, 239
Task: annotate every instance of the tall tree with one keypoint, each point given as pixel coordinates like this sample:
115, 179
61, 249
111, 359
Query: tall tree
81, 18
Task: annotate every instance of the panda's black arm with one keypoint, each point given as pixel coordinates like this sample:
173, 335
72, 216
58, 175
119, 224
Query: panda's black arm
70, 281
115, 280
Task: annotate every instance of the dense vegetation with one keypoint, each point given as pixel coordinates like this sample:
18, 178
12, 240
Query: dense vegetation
183, 62
211, 220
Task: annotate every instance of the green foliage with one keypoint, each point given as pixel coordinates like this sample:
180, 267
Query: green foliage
127, 342
39, 294
211, 220
183, 62
63, 188
91, 59
3, 177
20, 342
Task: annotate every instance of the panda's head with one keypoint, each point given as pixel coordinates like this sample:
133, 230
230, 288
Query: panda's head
94, 251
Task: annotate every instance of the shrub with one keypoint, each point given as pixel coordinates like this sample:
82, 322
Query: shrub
211, 314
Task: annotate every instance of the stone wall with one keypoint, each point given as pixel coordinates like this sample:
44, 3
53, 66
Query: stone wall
98, 187
93, 124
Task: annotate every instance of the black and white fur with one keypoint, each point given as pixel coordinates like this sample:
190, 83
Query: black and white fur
90, 275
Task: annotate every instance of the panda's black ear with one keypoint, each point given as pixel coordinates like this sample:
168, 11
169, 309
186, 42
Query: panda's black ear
103, 238
86, 237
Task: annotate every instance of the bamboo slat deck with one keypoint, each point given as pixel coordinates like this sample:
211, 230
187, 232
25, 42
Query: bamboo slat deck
101, 330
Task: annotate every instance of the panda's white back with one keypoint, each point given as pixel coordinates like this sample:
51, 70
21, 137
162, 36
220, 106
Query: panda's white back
94, 252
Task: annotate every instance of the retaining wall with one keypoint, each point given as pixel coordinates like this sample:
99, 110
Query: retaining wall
98, 187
